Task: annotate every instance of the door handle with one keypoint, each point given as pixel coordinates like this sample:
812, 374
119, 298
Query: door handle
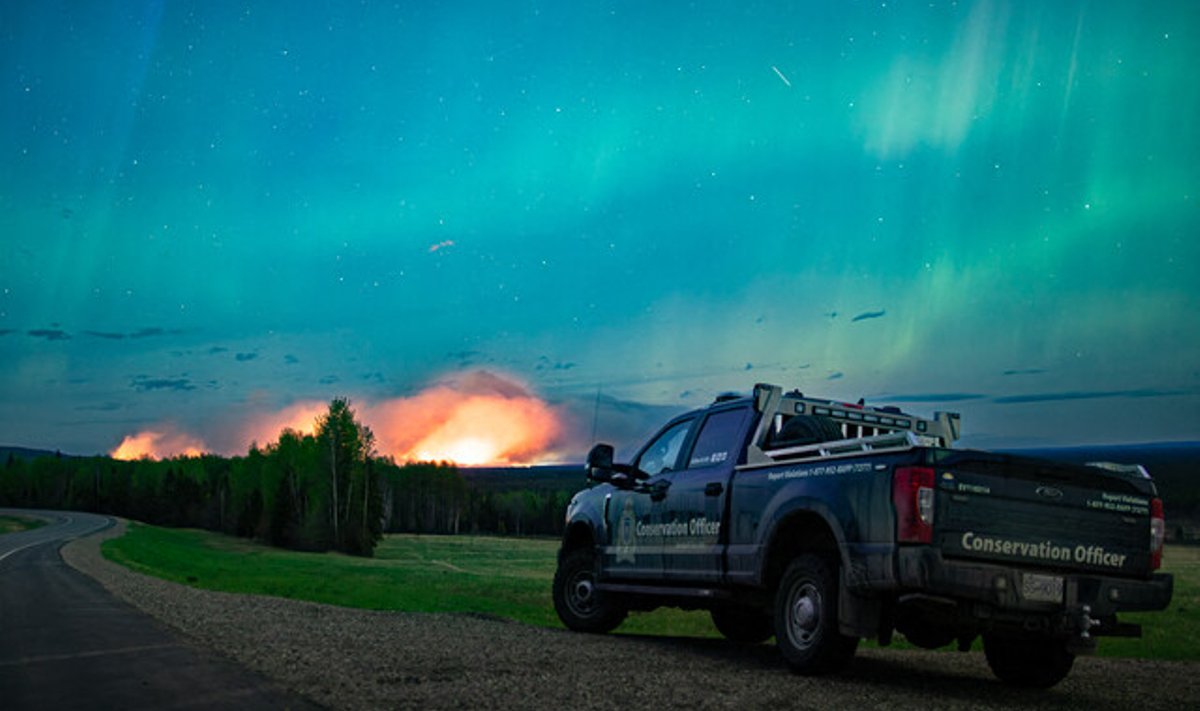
713, 488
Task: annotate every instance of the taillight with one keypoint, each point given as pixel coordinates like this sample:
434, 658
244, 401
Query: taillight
912, 493
1158, 533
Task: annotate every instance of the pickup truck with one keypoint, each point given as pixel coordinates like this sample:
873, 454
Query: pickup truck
822, 523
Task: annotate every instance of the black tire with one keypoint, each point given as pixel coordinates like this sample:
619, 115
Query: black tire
806, 625
807, 429
744, 625
1030, 663
579, 605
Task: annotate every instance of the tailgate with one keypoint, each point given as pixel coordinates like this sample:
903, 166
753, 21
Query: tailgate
1047, 515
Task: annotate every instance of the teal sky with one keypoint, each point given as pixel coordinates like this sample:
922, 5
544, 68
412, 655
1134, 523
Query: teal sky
210, 209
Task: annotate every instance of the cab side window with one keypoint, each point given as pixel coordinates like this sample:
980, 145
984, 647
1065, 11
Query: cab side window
663, 453
718, 440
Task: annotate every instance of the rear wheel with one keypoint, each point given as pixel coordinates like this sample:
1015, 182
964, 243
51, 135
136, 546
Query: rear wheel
744, 625
579, 605
1032, 663
806, 626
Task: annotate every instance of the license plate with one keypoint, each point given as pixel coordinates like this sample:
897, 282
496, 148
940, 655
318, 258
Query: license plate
1041, 588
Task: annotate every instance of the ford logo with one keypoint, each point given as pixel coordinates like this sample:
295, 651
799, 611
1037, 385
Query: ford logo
1049, 492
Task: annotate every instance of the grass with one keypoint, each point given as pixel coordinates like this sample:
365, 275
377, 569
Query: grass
1172, 633
508, 577
16, 524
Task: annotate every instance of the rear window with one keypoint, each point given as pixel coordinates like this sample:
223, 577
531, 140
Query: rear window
718, 439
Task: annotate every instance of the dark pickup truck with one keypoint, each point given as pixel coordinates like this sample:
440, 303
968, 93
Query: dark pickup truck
822, 523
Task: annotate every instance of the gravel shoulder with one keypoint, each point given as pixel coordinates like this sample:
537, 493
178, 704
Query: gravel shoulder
360, 659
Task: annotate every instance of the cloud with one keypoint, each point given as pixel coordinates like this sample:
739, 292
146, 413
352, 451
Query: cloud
1024, 371
144, 384
6, 331
441, 245
290, 359
1085, 395
140, 333
867, 315
50, 334
244, 357
931, 397
217, 349
105, 407
328, 380
544, 363
836, 376
154, 331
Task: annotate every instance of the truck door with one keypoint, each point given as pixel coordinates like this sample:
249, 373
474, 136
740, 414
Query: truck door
634, 517
693, 509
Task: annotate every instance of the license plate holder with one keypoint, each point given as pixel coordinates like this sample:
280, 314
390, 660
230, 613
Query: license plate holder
1041, 588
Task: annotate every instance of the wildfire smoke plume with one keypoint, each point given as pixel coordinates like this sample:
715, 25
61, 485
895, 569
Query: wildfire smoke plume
158, 445
471, 419
480, 418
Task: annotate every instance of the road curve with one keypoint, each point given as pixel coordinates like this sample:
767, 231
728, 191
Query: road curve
67, 643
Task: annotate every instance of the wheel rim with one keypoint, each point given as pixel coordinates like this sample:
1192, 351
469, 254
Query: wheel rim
581, 593
804, 615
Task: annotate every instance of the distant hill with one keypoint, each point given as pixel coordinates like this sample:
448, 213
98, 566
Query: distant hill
567, 478
26, 453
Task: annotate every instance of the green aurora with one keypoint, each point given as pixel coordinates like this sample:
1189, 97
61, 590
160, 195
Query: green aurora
209, 209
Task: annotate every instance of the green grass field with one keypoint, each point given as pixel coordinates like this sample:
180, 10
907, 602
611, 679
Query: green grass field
14, 524
506, 577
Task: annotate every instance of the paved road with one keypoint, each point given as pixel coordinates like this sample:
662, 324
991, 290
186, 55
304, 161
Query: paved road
67, 643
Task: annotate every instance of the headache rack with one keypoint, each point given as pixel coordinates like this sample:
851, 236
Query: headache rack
863, 428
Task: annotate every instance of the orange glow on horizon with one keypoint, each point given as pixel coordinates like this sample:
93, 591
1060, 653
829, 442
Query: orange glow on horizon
481, 420
472, 419
158, 445
300, 417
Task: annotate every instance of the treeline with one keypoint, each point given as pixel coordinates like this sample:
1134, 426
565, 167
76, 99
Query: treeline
327, 491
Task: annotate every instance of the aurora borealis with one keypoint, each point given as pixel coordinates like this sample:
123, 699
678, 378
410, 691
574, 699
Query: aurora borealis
213, 211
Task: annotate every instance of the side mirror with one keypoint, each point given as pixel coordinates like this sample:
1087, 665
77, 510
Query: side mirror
600, 463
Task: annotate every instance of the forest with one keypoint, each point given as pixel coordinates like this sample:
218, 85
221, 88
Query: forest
325, 491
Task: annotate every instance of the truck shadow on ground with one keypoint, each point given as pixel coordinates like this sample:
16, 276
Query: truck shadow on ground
936, 679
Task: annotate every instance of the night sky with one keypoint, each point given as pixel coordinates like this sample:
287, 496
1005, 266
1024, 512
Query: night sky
215, 212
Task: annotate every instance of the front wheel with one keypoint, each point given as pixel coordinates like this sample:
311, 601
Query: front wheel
1032, 663
579, 605
806, 626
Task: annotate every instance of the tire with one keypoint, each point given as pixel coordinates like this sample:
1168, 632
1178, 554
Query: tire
806, 625
579, 605
744, 625
1030, 663
807, 429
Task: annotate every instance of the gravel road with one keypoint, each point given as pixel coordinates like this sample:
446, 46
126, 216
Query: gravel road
356, 659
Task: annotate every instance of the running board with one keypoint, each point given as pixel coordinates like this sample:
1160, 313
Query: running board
664, 591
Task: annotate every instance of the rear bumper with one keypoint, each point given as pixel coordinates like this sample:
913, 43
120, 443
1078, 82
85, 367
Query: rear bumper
924, 570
